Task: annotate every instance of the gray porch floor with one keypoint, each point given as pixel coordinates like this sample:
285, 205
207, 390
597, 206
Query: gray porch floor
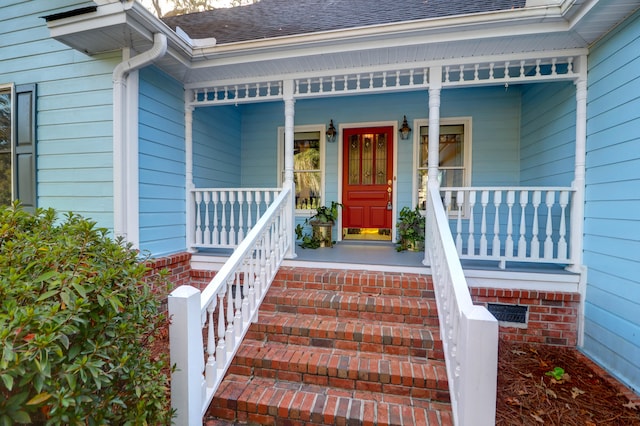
382, 256
364, 253
377, 255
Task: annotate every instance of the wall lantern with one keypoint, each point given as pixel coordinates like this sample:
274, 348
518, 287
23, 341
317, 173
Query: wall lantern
405, 129
331, 132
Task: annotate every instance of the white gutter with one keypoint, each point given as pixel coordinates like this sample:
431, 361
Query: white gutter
125, 140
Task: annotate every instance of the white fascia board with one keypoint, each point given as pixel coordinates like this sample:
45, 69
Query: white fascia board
538, 3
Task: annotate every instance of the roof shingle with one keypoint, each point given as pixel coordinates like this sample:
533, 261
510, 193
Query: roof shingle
275, 18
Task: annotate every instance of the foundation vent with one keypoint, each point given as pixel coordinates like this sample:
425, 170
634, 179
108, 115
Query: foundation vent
509, 313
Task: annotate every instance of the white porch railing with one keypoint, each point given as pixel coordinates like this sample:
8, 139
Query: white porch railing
524, 224
224, 216
469, 333
225, 309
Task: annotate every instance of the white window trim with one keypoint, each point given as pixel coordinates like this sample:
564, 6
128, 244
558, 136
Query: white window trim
323, 143
11, 88
468, 145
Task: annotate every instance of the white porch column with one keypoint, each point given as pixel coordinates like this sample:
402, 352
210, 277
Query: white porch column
289, 113
188, 162
435, 86
578, 184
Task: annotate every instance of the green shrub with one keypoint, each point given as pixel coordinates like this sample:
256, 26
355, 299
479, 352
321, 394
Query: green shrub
76, 324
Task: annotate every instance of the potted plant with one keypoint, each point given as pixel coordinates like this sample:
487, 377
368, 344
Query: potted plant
321, 227
411, 228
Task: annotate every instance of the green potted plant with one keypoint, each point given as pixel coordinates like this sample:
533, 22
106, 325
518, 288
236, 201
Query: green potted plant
411, 228
321, 227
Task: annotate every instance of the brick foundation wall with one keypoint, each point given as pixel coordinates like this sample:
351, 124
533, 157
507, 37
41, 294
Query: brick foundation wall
178, 267
552, 317
179, 272
200, 279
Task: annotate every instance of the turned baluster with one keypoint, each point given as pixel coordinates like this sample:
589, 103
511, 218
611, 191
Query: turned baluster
522, 242
495, 246
210, 368
471, 239
535, 242
215, 231
484, 200
198, 218
207, 229
548, 242
511, 198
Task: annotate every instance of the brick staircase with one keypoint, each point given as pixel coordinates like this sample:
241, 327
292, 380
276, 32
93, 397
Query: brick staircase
339, 348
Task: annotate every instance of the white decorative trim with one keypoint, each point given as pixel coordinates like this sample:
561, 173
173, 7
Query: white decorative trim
481, 71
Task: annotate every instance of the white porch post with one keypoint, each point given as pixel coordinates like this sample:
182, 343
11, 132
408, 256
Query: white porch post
188, 152
578, 184
186, 353
435, 87
289, 113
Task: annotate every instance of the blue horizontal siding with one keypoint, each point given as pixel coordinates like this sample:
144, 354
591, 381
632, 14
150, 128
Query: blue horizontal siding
74, 109
162, 174
548, 134
217, 147
612, 225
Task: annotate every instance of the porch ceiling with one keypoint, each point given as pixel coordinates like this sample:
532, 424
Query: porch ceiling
571, 27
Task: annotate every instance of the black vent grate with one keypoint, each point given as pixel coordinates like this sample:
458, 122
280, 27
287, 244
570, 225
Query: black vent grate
509, 313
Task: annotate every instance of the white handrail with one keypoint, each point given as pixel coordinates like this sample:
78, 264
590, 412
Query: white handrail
469, 333
225, 308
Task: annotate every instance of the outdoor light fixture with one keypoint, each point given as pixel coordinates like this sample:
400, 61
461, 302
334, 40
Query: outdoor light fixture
405, 129
331, 132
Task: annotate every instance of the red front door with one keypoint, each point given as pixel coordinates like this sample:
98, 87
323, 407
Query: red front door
367, 183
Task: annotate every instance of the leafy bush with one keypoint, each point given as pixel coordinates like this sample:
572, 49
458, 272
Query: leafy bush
411, 228
76, 324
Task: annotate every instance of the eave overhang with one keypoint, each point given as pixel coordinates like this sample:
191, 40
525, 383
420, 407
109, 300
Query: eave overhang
116, 25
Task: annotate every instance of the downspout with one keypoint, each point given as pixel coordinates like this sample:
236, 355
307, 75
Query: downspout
125, 141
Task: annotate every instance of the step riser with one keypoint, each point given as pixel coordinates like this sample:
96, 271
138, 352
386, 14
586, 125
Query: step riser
386, 341
357, 282
370, 308
372, 374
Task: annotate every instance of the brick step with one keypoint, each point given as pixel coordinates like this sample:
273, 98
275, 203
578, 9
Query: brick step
342, 369
404, 310
336, 332
266, 401
360, 282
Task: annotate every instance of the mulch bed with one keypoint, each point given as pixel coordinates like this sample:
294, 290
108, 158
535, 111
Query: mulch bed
584, 395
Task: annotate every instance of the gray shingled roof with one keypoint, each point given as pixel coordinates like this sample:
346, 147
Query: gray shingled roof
275, 18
